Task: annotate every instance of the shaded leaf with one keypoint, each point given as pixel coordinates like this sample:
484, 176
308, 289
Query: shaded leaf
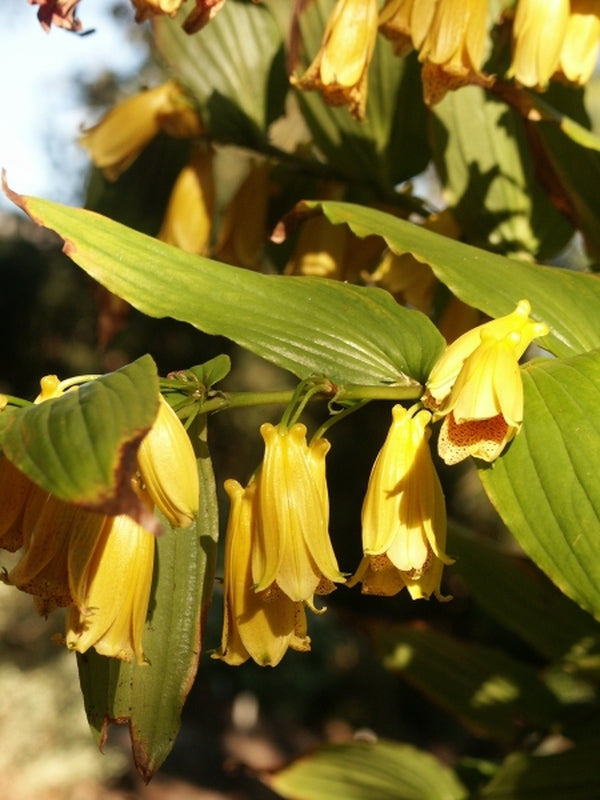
82, 445
358, 770
492, 694
545, 486
522, 599
573, 774
303, 324
234, 68
149, 698
569, 302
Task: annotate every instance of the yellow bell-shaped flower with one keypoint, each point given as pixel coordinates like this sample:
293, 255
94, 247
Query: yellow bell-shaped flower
293, 548
257, 624
43, 570
110, 576
15, 488
476, 386
406, 22
145, 9
404, 514
167, 465
340, 69
538, 33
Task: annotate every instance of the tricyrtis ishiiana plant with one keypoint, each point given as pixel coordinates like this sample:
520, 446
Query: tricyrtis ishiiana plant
414, 282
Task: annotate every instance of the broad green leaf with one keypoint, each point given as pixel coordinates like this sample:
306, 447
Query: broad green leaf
303, 324
389, 145
569, 302
482, 156
522, 599
234, 68
572, 774
357, 770
492, 694
545, 486
81, 446
150, 697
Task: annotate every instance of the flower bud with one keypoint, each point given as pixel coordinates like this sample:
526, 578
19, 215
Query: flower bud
168, 468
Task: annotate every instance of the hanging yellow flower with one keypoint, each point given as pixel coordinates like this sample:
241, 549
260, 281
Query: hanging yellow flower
47, 529
579, 51
110, 576
404, 514
340, 69
476, 386
167, 465
15, 488
120, 136
453, 49
538, 34
145, 9
257, 624
406, 22
293, 547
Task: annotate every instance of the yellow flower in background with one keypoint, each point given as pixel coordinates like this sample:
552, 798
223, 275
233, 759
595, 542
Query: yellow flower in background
293, 547
168, 468
110, 576
145, 9
476, 386
120, 136
406, 22
257, 624
404, 514
243, 230
340, 69
189, 216
453, 49
579, 51
538, 34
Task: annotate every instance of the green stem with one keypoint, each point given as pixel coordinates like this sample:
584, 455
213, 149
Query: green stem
340, 394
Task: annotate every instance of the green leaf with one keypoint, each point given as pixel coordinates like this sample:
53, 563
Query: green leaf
358, 770
150, 697
572, 774
569, 302
82, 445
234, 68
303, 324
545, 486
492, 694
482, 155
522, 599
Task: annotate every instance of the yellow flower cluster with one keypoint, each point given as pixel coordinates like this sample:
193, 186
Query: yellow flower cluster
99, 567
278, 550
550, 38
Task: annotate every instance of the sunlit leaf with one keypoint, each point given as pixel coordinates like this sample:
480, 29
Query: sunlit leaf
150, 697
546, 486
569, 302
482, 155
303, 324
359, 770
